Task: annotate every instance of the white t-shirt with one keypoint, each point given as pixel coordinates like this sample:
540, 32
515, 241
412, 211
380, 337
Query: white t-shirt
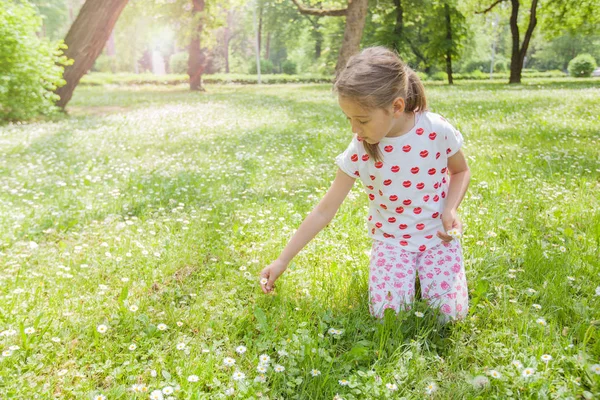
406, 190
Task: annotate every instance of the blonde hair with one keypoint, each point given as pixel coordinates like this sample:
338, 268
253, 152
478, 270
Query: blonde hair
374, 78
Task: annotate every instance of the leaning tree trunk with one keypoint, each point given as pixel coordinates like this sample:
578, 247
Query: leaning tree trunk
449, 44
518, 54
355, 23
86, 39
196, 58
356, 14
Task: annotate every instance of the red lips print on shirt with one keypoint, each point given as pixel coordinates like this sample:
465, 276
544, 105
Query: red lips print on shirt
408, 185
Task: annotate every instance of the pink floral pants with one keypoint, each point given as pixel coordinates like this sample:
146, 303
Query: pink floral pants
392, 276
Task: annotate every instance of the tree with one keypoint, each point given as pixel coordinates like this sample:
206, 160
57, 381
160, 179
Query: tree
86, 39
445, 33
355, 14
196, 61
518, 50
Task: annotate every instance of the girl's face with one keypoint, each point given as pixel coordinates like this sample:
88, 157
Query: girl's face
370, 125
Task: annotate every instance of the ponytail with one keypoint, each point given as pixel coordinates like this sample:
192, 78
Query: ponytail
415, 92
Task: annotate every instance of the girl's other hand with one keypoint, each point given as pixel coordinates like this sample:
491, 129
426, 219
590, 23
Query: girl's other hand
450, 220
271, 273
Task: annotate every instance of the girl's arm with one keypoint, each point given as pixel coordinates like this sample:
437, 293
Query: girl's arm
460, 175
320, 217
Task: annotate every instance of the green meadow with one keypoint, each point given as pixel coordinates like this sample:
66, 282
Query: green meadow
132, 232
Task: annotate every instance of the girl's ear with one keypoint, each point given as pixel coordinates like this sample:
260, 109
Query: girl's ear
398, 106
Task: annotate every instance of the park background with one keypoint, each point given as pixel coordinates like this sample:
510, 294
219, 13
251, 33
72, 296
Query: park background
146, 178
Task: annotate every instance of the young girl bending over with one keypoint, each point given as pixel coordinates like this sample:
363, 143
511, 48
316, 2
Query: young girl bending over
415, 176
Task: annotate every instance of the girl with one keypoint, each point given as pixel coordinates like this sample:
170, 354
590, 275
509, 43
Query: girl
415, 175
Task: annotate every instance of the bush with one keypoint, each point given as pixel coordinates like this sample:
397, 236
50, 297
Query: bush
178, 63
500, 66
476, 65
288, 67
582, 66
439, 76
32, 68
266, 67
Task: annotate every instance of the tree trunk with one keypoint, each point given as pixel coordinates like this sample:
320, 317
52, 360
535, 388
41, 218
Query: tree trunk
449, 48
399, 26
356, 14
227, 39
318, 36
268, 46
518, 52
259, 34
355, 23
86, 38
196, 58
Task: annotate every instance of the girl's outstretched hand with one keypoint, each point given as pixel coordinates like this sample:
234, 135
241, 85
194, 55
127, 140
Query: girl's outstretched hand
269, 275
452, 226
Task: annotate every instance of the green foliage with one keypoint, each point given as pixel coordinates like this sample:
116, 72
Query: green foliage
582, 66
31, 67
288, 67
439, 76
178, 63
422, 75
266, 67
476, 65
105, 63
99, 79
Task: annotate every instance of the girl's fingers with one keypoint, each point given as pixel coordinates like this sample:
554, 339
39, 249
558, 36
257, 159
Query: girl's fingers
444, 237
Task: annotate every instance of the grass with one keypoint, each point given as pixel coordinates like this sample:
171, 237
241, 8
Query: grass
144, 217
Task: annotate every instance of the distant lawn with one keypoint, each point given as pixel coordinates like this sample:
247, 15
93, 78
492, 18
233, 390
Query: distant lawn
132, 233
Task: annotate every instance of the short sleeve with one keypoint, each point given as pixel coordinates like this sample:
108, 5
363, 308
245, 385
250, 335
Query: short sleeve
348, 160
453, 138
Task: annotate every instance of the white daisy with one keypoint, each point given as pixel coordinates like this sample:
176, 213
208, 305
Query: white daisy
180, 346
167, 390
430, 388
262, 368
315, 372
240, 349
527, 372
133, 308
343, 382
264, 358
279, 368
238, 376
132, 346
517, 364
162, 327
31, 330
419, 314
156, 395
391, 386
541, 321
102, 328
595, 369
495, 374
229, 362
193, 378
546, 357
